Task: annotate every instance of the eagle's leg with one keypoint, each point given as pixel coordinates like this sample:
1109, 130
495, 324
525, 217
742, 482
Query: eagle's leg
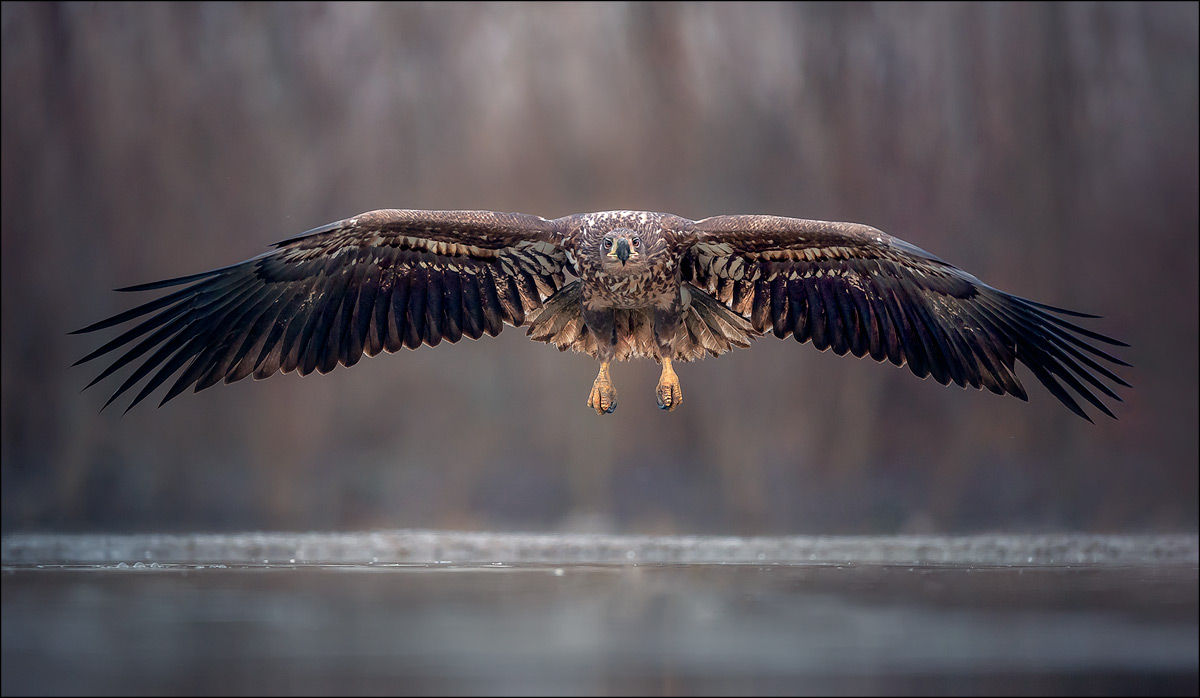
601, 321
670, 395
603, 398
667, 321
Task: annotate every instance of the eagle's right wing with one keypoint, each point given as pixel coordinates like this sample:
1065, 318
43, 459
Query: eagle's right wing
375, 282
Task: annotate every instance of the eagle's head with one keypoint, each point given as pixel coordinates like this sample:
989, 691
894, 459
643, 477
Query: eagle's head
625, 251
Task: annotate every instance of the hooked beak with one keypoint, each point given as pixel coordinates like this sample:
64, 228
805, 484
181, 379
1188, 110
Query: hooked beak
621, 249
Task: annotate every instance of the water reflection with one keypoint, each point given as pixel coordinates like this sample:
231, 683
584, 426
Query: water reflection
657, 629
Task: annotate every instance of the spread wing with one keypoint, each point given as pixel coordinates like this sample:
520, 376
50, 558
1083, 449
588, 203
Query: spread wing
852, 288
375, 282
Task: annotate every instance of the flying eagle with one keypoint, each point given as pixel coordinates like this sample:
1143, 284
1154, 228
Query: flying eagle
651, 285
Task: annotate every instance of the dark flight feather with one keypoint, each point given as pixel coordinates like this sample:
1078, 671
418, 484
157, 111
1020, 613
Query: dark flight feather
853, 288
372, 283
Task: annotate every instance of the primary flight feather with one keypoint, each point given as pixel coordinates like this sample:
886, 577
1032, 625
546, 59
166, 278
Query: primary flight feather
645, 284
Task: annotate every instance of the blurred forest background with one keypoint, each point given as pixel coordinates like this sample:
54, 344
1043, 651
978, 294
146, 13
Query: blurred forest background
1050, 149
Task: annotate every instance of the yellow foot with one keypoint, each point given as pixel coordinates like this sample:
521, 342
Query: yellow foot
603, 398
670, 395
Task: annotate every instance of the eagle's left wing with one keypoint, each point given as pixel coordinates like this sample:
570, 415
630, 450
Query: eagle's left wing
853, 288
379, 281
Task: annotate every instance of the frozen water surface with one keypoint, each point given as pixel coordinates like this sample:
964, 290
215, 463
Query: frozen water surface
429, 612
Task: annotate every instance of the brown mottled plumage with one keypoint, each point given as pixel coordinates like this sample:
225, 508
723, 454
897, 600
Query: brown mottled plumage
648, 285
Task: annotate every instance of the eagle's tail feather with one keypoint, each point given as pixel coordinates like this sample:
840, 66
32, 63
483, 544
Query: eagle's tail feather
709, 328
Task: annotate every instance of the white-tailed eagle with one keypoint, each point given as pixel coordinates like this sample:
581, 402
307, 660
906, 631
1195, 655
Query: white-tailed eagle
645, 285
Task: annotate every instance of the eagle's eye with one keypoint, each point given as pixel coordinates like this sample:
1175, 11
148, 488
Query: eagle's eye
608, 241
637, 242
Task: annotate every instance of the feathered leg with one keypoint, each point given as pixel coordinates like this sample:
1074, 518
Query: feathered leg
667, 322
603, 397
